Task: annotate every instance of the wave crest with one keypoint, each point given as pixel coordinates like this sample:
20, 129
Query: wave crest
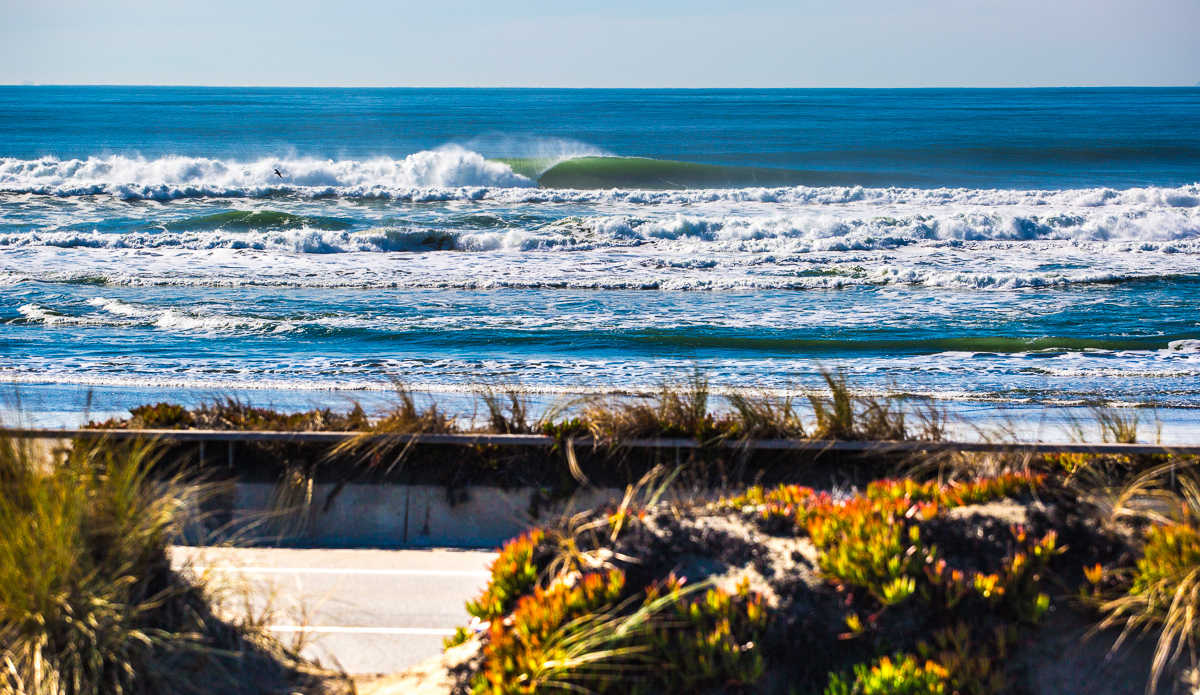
453, 172
448, 167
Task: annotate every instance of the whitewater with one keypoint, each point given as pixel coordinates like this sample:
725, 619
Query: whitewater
217, 223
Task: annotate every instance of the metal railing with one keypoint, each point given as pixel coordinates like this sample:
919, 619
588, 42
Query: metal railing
537, 440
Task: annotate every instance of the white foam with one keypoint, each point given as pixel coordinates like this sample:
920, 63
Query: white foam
936, 376
796, 231
519, 259
450, 167
453, 172
37, 314
116, 313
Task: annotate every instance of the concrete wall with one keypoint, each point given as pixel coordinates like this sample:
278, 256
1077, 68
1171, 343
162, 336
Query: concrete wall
377, 516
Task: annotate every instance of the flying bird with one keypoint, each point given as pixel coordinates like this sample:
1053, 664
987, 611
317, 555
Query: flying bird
278, 174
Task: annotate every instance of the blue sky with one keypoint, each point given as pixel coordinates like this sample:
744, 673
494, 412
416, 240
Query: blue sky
567, 43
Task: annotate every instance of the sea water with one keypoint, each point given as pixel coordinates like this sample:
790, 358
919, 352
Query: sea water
990, 249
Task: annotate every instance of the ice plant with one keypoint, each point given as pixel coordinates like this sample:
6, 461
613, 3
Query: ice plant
901, 674
514, 572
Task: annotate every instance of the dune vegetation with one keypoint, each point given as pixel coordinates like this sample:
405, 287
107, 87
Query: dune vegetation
953, 582
89, 600
939, 573
590, 437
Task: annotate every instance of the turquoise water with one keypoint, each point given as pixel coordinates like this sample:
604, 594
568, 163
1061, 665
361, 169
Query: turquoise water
988, 248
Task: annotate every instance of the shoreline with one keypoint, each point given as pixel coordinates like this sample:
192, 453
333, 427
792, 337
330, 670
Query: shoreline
59, 405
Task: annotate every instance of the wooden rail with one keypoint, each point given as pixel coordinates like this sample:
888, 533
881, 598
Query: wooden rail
537, 440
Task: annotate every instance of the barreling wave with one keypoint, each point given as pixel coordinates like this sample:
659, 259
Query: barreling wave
456, 173
658, 174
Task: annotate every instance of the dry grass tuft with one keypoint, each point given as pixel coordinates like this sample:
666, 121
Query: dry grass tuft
233, 414
843, 416
406, 418
1114, 425
83, 573
675, 411
766, 417
508, 411
1162, 594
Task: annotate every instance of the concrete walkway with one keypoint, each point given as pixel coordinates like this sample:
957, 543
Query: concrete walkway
367, 611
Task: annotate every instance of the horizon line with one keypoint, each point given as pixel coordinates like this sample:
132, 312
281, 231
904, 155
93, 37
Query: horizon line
27, 83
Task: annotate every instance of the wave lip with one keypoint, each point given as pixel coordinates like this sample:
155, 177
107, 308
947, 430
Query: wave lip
170, 177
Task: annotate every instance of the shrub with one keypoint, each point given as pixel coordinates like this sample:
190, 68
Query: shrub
514, 573
165, 416
973, 667
713, 638
953, 663
461, 636
901, 674
89, 602
579, 635
522, 651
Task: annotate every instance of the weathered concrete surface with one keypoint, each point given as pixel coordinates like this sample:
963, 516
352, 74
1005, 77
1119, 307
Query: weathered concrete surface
437, 675
366, 611
379, 516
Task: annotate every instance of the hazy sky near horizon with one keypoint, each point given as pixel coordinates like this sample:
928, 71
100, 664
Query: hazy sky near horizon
619, 43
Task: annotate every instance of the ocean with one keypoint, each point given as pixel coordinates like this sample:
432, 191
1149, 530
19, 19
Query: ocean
1009, 253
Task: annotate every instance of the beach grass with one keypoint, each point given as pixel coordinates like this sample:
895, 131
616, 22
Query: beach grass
682, 410
673, 409
89, 601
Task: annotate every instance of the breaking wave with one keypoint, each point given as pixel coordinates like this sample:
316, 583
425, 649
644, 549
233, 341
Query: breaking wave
773, 238
453, 172
167, 178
